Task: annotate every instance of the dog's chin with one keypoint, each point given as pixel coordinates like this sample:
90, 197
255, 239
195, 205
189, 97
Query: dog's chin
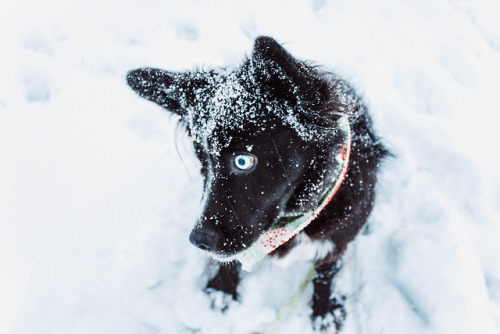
281, 221
230, 255
224, 258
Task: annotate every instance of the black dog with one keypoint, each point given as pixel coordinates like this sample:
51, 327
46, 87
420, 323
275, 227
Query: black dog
274, 137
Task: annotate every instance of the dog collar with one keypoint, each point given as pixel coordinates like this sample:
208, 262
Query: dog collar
275, 237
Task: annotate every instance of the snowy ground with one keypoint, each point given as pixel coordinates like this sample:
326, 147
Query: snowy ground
96, 204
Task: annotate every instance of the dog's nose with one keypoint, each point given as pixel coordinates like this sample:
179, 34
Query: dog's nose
203, 239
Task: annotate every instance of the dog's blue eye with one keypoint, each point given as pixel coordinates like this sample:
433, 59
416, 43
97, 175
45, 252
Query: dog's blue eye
244, 161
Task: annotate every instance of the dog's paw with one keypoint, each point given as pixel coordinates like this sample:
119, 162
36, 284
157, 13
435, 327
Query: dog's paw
329, 318
219, 300
223, 279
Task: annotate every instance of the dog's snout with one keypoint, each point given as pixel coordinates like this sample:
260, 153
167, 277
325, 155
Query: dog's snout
204, 239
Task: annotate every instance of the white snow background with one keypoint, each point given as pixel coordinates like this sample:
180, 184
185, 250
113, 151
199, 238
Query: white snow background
96, 204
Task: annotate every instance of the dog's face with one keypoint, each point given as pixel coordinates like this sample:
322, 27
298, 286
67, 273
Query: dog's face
265, 174
265, 134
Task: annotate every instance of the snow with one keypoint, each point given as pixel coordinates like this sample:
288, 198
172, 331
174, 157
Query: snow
96, 202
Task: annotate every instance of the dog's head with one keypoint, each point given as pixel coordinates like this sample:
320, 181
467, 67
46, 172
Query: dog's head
266, 134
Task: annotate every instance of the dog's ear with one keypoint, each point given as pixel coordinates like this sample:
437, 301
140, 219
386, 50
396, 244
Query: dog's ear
267, 53
323, 97
285, 75
173, 91
273, 67
289, 78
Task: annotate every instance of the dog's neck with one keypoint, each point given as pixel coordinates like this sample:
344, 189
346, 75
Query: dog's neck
277, 236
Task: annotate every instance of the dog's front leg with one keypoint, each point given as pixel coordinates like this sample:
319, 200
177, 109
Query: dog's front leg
222, 288
327, 310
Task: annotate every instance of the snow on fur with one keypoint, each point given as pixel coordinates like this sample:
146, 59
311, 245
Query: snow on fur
96, 206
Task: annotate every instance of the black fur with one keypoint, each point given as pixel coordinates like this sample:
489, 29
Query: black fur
285, 113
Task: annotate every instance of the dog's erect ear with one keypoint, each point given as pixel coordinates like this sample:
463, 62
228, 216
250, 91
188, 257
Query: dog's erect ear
267, 52
172, 91
287, 77
279, 70
273, 66
323, 97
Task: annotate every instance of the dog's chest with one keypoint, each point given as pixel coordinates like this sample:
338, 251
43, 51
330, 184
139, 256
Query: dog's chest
305, 249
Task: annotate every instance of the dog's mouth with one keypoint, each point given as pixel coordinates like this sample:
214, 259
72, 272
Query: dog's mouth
281, 222
225, 258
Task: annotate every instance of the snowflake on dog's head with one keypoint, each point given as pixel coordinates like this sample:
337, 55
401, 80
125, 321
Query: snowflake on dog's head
217, 103
233, 100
